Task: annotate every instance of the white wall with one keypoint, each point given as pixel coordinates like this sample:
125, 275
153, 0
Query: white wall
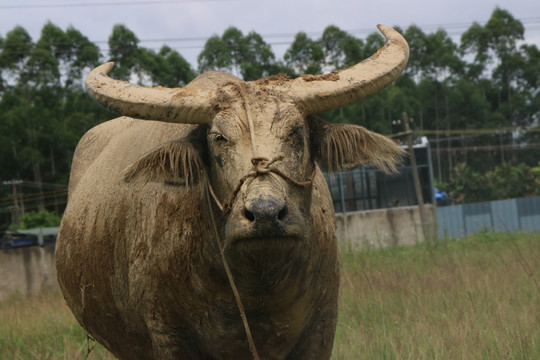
27, 270
384, 227
32, 269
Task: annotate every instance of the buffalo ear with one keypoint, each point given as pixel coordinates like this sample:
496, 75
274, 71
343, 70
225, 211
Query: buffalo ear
338, 147
175, 163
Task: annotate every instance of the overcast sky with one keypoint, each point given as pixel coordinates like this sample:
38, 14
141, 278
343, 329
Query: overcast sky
183, 25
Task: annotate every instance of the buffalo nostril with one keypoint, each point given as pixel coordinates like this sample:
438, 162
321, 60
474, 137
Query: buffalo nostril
283, 213
263, 211
249, 215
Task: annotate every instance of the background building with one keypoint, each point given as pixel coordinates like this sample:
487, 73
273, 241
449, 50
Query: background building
369, 188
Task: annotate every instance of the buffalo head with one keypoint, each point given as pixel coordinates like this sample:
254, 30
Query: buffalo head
257, 144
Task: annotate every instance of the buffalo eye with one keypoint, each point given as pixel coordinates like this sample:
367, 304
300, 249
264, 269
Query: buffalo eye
297, 135
218, 137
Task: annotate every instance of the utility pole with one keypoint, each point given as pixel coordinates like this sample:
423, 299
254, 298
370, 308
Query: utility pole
416, 177
15, 217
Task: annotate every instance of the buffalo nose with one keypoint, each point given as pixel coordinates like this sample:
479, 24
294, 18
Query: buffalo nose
265, 211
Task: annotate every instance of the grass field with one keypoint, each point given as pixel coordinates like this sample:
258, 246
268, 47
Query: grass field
477, 298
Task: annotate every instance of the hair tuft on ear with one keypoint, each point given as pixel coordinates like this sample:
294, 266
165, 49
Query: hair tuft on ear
175, 162
341, 147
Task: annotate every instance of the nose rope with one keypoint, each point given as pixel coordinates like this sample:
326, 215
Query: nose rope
232, 283
259, 168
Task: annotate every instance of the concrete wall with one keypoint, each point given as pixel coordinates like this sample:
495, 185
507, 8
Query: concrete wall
27, 270
384, 227
32, 269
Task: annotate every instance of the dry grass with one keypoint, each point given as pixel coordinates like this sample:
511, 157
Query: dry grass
477, 298
42, 327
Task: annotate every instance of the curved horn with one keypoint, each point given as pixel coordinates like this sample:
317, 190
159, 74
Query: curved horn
318, 93
183, 105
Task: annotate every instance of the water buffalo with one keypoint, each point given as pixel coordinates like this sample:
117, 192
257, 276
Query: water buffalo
216, 188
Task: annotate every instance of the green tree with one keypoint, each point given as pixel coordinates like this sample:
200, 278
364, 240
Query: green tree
530, 82
215, 56
418, 46
504, 181
39, 122
442, 58
259, 59
166, 68
38, 219
124, 51
249, 57
1, 65
81, 56
509, 181
469, 186
340, 48
373, 43
304, 56
530, 67
15, 53
494, 46
42, 68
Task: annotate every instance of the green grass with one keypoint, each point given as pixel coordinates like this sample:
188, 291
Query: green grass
42, 327
477, 298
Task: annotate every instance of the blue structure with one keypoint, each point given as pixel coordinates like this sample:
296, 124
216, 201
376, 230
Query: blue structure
30, 237
502, 215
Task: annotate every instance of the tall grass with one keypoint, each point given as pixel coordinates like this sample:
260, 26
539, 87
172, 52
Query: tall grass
477, 298
42, 327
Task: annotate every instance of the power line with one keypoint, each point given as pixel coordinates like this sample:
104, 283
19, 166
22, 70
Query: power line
472, 148
480, 131
39, 206
160, 2
44, 184
34, 197
124, 3
193, 39
496, 131
533, 22
367, 30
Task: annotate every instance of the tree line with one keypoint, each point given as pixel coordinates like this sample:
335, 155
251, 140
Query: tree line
477, 100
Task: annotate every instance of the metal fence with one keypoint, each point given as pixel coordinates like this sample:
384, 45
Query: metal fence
369, 188
501, 215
